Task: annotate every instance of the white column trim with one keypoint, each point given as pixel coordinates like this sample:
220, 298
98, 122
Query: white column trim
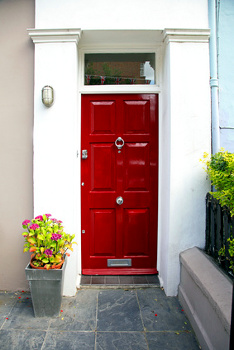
54, 35
186, 35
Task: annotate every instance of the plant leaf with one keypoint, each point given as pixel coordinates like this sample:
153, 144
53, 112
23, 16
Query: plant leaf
33, 249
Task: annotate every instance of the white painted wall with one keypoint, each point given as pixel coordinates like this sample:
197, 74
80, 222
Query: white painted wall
121, 14
56, 140
184, 126
184, 136
164, 169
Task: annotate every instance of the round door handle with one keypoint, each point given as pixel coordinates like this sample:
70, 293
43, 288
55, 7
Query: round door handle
119, 200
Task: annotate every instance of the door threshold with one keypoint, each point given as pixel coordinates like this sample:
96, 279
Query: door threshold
136, 281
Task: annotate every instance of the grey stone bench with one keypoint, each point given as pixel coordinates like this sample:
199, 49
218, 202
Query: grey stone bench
205, 293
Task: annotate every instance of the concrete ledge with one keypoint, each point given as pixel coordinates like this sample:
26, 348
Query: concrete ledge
206, 295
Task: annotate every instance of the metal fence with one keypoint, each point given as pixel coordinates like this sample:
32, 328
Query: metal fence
219, 228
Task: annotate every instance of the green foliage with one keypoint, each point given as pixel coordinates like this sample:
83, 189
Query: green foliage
107, 71
222, 253
231, 253
46, 239
220, 169
89, 69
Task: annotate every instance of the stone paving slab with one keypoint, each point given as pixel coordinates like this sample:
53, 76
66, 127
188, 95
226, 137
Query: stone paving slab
69, 340
98, 319
120, 340
79, 313
170, 316
118, 310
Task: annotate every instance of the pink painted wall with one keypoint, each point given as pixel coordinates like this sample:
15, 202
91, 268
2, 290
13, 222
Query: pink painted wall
16, 137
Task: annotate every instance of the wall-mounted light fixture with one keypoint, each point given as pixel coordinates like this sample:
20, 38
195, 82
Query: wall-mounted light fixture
47, 95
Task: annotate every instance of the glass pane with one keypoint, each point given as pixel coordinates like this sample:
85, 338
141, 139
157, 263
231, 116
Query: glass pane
119, 68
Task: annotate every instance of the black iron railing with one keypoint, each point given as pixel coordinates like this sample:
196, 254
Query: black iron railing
219, 228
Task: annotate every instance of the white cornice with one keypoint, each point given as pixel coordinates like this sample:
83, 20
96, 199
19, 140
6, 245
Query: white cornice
54, 35
73, 35
186, 35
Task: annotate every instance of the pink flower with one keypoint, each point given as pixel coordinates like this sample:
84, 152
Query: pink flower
34, 226
56, 236
60, 222
25, 236
25, 222
48, 252
39, 217
47, 215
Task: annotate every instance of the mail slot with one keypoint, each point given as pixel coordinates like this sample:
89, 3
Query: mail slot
119, 262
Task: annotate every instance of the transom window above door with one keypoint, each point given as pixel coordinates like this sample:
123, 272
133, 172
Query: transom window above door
119, 69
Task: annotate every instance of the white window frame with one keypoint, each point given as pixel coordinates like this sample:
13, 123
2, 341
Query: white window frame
110, 89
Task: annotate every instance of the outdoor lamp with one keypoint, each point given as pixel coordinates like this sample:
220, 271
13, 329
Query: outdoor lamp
47, 95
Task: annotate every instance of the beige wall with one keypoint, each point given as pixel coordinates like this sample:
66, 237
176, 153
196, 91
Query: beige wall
16, 132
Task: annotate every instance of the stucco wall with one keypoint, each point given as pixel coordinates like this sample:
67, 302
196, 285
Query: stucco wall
226, 73
121, 14
184, 135
16, 147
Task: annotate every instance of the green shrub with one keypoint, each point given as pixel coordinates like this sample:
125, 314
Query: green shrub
220, 169
222, 253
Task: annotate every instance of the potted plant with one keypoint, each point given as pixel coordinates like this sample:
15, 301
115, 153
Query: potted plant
48, 243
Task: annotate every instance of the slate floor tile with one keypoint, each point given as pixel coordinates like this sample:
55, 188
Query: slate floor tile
2, 320
121, 341
172, 341
21, 339
22, 317
161, 313
24, 299
7, 301
118, 310
79, 313
70, 341
122, 319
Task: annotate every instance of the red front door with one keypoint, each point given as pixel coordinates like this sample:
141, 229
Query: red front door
119, 188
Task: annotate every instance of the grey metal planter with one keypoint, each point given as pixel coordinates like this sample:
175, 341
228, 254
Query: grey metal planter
46, 288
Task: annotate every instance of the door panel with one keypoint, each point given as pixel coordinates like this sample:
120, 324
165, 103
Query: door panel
128, 230
136, 117
103, 232
102, 157
102, 118
136, 232
136, 167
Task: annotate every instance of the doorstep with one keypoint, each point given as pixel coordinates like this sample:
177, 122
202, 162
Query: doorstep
136, 281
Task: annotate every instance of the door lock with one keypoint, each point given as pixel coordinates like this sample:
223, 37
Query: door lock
84, 154
119, 200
